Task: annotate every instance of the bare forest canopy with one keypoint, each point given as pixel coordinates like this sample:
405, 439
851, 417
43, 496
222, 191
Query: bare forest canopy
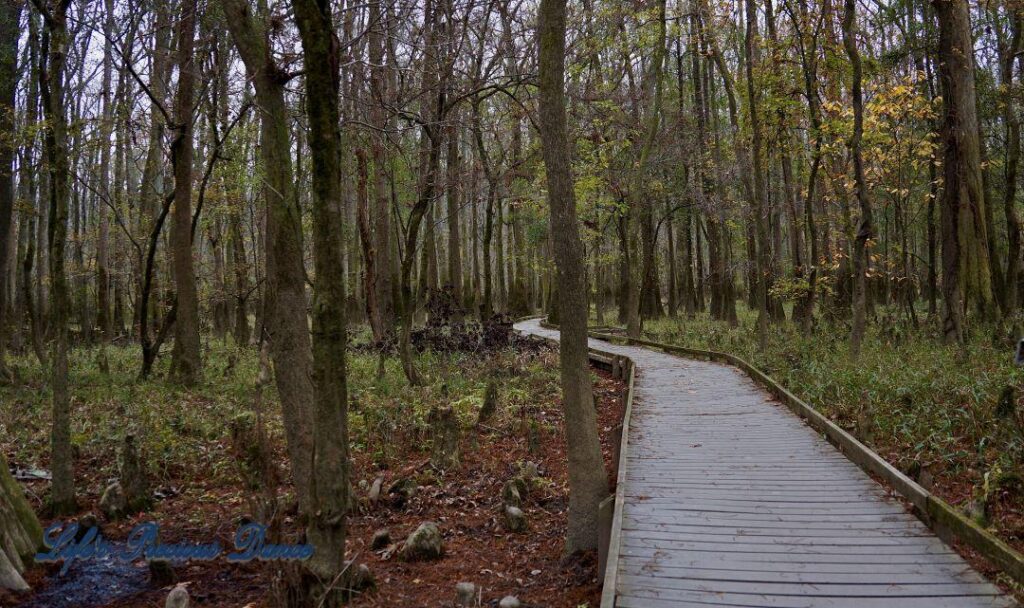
712, 150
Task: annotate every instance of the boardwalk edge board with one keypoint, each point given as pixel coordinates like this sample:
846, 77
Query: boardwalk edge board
947, 521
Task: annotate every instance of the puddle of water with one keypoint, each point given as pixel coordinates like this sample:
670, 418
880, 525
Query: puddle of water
90, 584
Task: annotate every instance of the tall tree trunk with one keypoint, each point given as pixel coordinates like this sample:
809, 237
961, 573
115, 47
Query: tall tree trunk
33, 182
123, 178
42, 263
10, 19
499, 254
704, 186
453, 192
79, 303
519, 299
326, 521
1008, 55
366, 238
381, 279
56, 41
865, 229
236, 245
106, 128
788, 194
649, 301
776, 202
151, 188
487, 307
933, 203
965, 264
808, 42
624, 268
710, 183
762, 278
435, 79
284, 314
186, 364
686, 240
588, 484
474, 200
217, 117
673, 290
428, 262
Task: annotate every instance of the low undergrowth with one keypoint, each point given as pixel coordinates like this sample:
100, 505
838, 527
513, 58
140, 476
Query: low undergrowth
201, 493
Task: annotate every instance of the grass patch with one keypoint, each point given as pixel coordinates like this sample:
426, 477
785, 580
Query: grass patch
184, 434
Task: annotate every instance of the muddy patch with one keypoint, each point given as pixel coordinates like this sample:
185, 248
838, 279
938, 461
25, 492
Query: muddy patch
90, 583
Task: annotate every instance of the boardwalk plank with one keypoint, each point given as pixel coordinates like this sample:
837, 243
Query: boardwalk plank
682, 557
896, 531
825, 573
769, 588
702, 600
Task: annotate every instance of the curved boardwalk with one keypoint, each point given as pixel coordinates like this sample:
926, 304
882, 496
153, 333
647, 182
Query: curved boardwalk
731, 500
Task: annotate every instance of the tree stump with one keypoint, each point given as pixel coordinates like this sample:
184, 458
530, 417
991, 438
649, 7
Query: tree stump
866, 420
1006, 407
490, 405
20, 533
256, 464
133, 477
533, 437
444, 423
113, 503
515, 519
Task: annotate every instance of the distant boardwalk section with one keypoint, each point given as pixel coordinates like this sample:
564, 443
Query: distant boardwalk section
731, 500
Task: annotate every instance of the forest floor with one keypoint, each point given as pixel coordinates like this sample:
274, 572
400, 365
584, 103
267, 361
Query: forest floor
926, 407
185, 439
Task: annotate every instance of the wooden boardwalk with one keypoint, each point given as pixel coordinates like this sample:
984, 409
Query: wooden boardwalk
731, 500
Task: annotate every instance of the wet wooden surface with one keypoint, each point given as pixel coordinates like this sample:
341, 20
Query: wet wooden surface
731, 500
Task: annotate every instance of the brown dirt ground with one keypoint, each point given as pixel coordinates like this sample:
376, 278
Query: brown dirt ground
465, 504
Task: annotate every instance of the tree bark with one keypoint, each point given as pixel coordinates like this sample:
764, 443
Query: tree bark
453, 192
588, 484
240, 266
20, 532
285, 303
380, 278
644, 279
487, 306
865, 229
762, 279
56, 41
151, 188
1008, 55
103, 319
186, 363
10, 18
965, 264
326, 521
